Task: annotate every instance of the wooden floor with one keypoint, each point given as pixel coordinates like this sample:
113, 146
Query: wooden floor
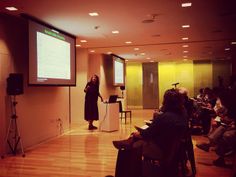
84, 153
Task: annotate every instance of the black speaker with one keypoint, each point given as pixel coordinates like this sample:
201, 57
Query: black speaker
15, 84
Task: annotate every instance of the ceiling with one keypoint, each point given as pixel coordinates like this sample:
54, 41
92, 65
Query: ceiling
153, 26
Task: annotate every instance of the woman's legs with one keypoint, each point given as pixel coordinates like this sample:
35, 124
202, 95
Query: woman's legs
91, 126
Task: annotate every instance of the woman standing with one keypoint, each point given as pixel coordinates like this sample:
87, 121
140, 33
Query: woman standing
91, 98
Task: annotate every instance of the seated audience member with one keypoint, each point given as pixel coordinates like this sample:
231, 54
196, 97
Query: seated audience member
158, 138
224, 136
200, 95
188, 103
206, 113
220, 115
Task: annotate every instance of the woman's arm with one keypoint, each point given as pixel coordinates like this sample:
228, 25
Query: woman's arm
86, 88
100, 96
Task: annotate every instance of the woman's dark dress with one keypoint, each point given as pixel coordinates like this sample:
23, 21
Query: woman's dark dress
91, 98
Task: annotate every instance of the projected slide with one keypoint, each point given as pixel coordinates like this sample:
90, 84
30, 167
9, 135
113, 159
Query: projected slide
119, 72
53, 57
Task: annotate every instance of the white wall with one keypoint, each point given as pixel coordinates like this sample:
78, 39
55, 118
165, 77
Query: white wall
39, 108
77, 93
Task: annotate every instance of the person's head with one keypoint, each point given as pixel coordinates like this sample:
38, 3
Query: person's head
201, 90
183, 91
95, 79
173, 101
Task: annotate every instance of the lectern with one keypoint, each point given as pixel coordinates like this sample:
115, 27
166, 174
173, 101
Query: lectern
108, 117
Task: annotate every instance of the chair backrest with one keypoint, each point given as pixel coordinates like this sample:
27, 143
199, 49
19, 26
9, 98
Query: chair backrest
169, 163
174, 145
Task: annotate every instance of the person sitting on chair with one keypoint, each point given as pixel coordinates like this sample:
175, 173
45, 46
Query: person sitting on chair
158, 137
224, 136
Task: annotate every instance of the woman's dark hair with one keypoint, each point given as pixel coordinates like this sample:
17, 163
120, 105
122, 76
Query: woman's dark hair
97, 79
173, 101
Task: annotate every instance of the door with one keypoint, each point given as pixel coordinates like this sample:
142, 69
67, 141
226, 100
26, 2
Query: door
150, 86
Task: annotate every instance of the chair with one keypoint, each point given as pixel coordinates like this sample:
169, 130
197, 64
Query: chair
129, 163
186, 153
168, 165
123, 113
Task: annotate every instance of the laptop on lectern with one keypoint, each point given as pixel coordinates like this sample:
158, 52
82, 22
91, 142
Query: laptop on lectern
112, 98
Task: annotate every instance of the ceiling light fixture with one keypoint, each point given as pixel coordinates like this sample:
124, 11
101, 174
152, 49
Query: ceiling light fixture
93, 14
185, 46
185, 26
11, 8
227, 49
148, 58
185, 56
136, 49
233, 43
78, 45
185, 59
128, 42
185, 51
92, 51
142, 54
185, 38
115, 32
187, 4
83, 40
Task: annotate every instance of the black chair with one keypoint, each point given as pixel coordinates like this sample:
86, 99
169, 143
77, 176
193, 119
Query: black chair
123, 113
168, 165
129, 163
186, 154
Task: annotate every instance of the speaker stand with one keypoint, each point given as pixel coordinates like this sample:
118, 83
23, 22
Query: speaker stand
13, 138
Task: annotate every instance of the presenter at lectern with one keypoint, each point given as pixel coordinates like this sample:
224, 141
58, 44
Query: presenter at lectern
91, 98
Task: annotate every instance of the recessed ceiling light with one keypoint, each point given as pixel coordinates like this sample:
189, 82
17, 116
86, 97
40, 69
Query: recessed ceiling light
185, 45
11, 8
83, 40
185, 51
126, 60
109, 53
92, 51
187, 4
185, 56
152, 61
227, 49
128, 42
185, 59
142, 53
185, 38
233, 43
93, 14
78, 45
136, 48
115, 32
185, 26
148, 58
